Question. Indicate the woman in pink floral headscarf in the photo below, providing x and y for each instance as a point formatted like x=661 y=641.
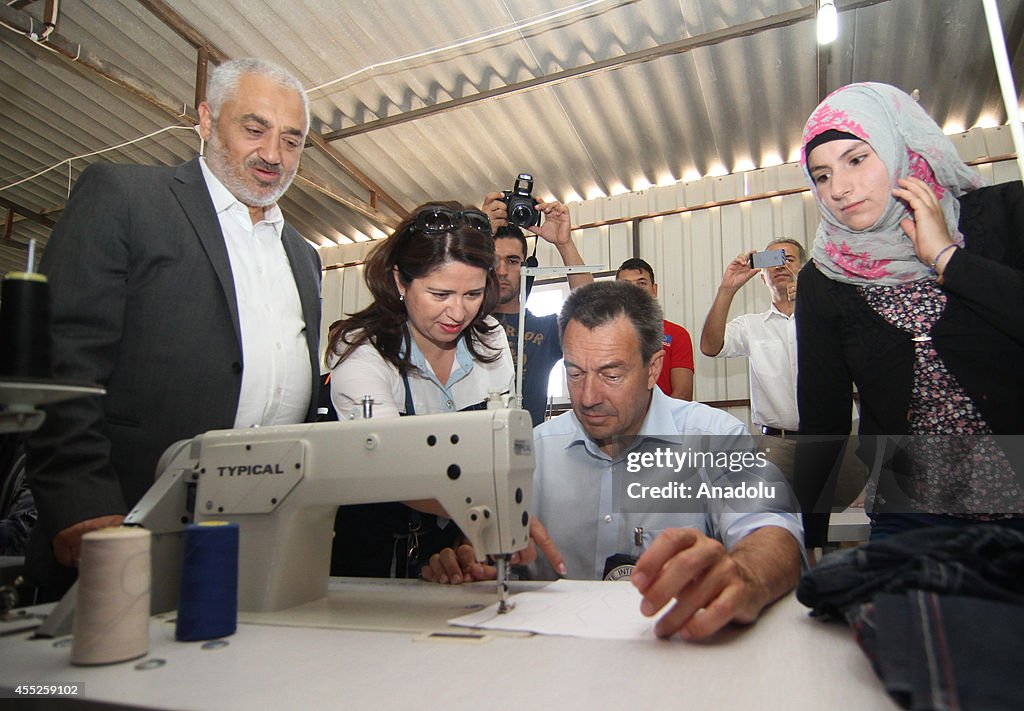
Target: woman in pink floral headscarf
x=915 y=294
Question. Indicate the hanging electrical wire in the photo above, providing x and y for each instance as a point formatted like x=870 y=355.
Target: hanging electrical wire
x=67 y=161
x=49 y=25
x=514 y=27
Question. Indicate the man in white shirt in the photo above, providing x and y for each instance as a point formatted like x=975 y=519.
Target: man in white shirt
x=768 y=341
x=183 y=292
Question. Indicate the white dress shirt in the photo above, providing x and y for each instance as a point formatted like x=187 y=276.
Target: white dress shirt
x=768 y=340
x=276 y=378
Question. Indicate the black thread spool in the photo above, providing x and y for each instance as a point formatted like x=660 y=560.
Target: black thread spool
x=25 y=326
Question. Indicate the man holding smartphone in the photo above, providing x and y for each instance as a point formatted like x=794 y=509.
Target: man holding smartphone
x=767 y=339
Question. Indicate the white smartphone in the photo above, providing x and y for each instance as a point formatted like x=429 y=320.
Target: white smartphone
x=768 y=258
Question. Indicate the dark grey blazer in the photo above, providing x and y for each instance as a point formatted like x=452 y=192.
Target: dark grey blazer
x=143 y=303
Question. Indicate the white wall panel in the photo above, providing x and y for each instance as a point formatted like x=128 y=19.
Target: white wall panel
x=616 y=207
x=1005 y=171
x=667 y=197
x=650 y=236
x=970 y=145
x=592 y=244
x=581 y=212
x=620 y=250
x=674 y=264
x=762 y=228
x=727 y=187
x=811 y=219
x=998 y=140
x=789 y=176
x=332 y=300
x=697 y=192
x=710 y=376
x=754 y=182
x=793 y=220
x=342 y=290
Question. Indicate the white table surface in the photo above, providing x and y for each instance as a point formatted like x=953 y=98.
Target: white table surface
x=785 y=661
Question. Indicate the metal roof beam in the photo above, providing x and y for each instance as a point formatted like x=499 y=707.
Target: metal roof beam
x=186 y=31
x=26 y=213
x=80 y=55
x=707 y=39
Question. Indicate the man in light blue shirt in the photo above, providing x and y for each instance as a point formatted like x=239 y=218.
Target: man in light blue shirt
x=722 y=559
x=577 y=484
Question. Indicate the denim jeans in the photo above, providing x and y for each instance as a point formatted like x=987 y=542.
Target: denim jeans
x=884 y=525
x=939 y=611
x=944 y=652
x=981 y=560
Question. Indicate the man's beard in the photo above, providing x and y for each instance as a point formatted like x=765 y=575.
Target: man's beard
x=235 y=180
x=513 y=296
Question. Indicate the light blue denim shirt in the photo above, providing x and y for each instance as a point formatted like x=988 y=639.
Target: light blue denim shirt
x=365 y=372
x=573 y=489
x=444 y=397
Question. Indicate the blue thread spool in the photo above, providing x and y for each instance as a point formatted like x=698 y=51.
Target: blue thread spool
x=208 y=600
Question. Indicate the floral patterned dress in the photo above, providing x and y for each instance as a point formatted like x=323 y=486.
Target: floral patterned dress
x=957 y=466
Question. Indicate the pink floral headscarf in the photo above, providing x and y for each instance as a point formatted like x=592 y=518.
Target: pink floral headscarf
x=909 y=143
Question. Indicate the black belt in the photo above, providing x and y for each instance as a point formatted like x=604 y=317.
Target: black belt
x=776 y=432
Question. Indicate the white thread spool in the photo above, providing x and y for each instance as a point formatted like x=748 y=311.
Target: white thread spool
x=112 y=609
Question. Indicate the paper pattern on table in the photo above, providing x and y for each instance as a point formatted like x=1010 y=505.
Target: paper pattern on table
x=595 y=610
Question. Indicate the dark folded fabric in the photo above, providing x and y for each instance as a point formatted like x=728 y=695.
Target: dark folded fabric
x=984 y=561
x=944 y=652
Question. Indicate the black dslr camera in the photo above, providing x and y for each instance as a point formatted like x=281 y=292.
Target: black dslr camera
x=522 y=208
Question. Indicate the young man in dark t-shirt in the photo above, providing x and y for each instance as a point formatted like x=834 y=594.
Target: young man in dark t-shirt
x=541 y=348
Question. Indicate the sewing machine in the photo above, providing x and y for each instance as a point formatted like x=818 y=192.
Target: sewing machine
x=282 y=486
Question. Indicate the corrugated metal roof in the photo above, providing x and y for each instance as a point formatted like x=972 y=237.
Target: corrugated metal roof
x=735 y=99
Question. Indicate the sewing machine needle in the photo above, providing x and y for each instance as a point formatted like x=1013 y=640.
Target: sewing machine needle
x=501 y=567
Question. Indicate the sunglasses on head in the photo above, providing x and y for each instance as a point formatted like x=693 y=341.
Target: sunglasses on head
x=437 y=219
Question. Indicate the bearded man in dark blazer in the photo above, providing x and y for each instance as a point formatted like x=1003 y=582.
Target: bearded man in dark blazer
x=183 y=292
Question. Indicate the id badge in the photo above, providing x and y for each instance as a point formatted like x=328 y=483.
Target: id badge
x=618 y=567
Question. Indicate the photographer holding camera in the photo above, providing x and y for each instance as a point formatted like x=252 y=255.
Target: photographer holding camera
x=541 y=349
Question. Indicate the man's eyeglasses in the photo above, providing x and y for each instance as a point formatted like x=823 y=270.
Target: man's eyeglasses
x=437 y=219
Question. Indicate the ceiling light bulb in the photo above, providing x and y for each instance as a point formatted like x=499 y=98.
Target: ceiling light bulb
x=828 y=22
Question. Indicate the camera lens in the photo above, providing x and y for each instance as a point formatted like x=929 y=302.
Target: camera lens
x=522 y=215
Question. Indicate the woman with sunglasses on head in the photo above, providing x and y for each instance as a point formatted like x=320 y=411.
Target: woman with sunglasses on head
x=425 y=345
x=914 y=295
